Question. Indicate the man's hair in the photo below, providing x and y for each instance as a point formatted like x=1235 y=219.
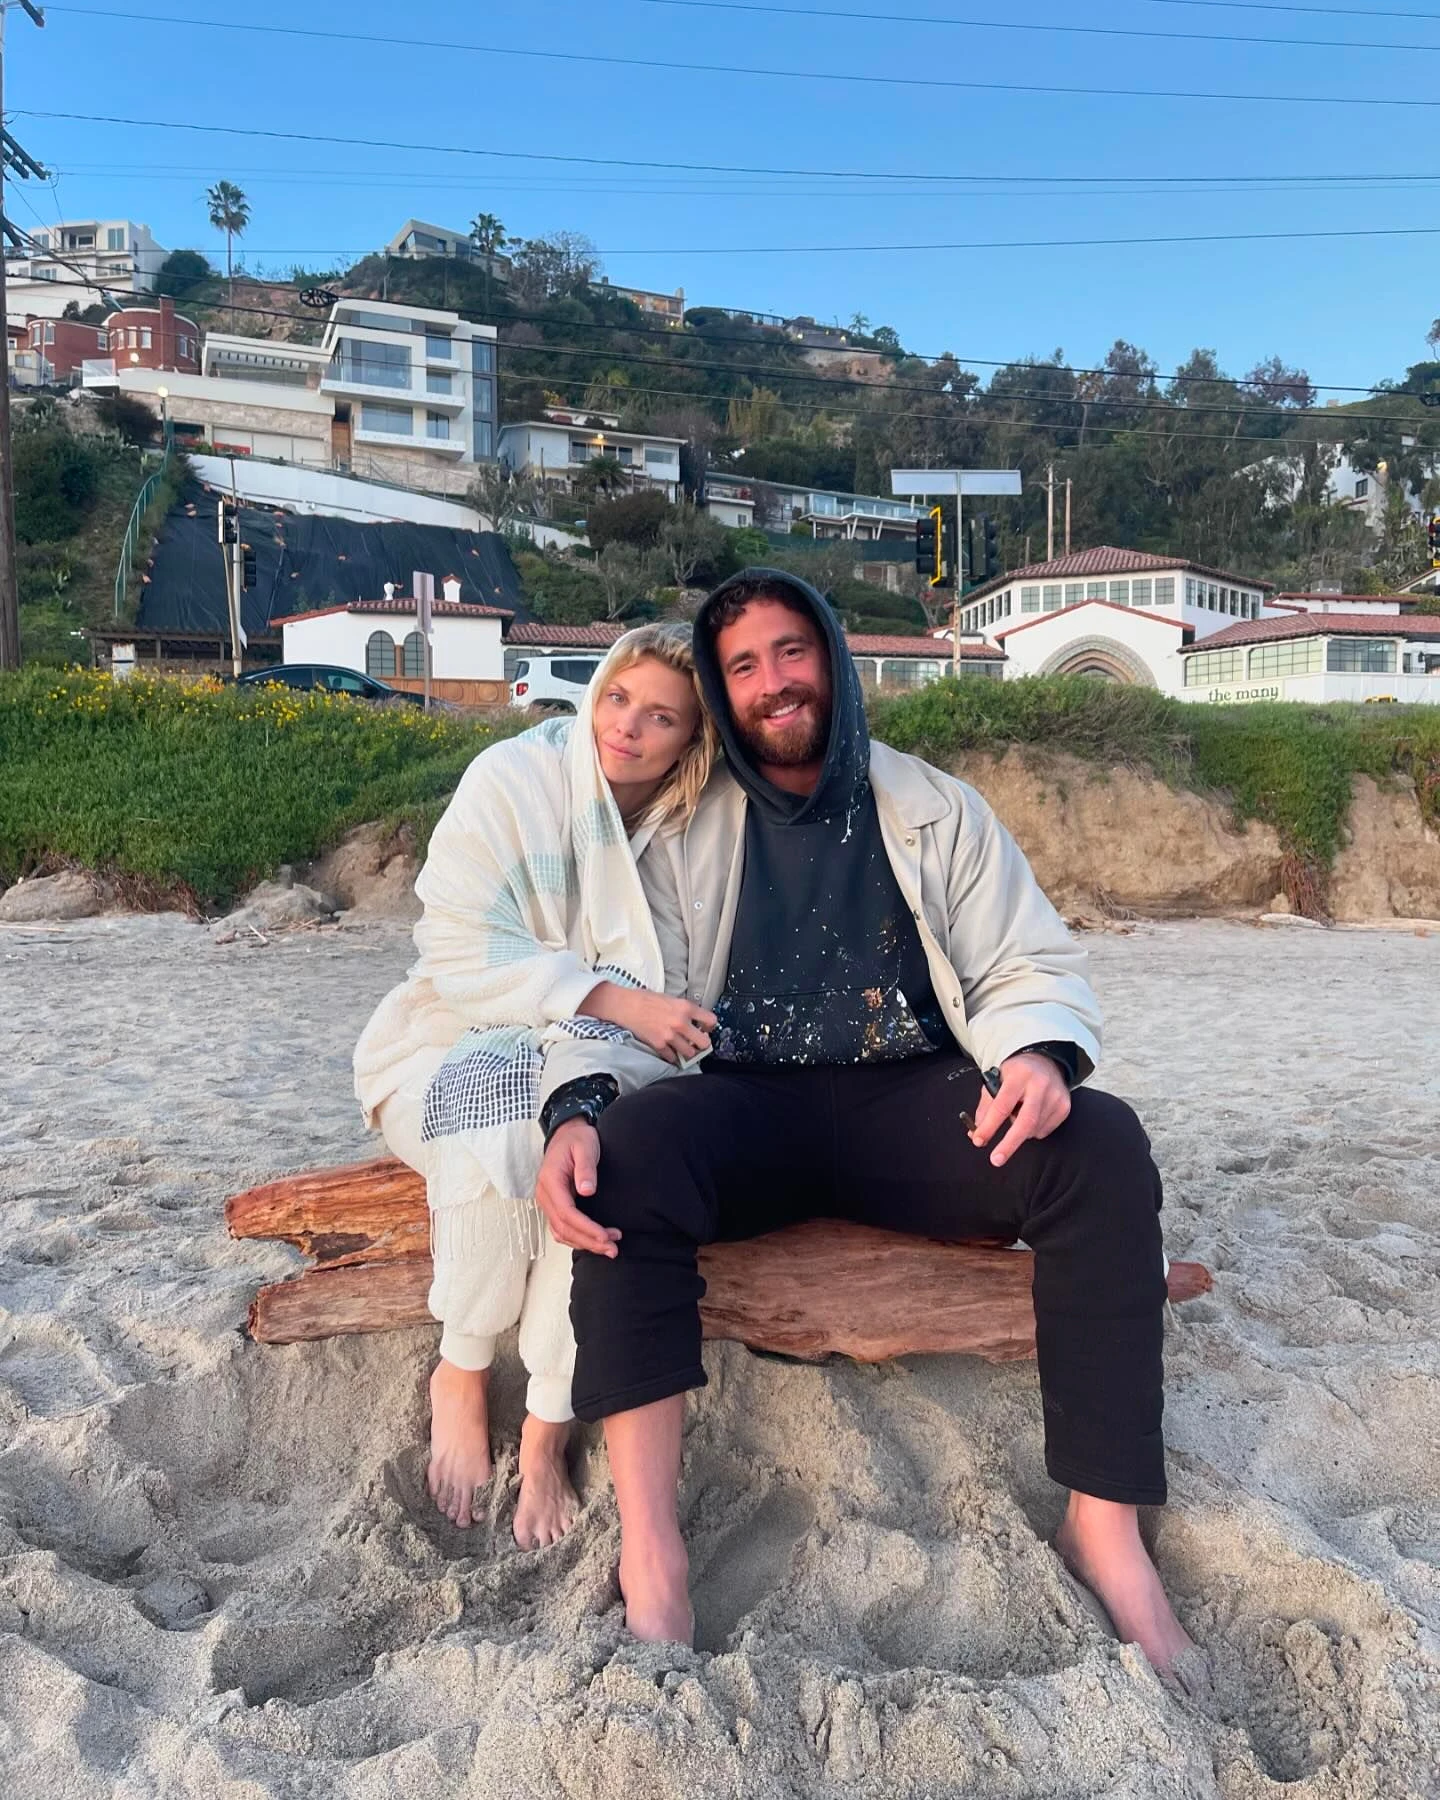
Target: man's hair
x=743 y=592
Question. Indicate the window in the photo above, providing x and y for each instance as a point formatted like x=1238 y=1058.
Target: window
x=659 y=456
x=1074 y=592
x=50 y=334
x=341 y=681
x=145 y=343
x=1029 y=599
x=438 y=381
x=1094 y=590
x=1367 y=656
x=482 y=356
x=483 y=399
x=581 y=452
x=437 y=425
x=134 y=337
x=579 y=672
x=484 y=438
x=1140 y=593
x=907 y=671
x=439 y=346
x=115 y=237
x=1054 y=596
x=1119 y=593
x=397 y=420
x=380 y=655
x=1362 y=487
x=1191 y=596
x=373 y=365
x=1164 y=590
x=412 y=656
x=1301 y=657
x=102 y=340
x=1214 y=668
x=374 y=321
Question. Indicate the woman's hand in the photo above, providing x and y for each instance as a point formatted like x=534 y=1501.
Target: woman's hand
x=676 y=1029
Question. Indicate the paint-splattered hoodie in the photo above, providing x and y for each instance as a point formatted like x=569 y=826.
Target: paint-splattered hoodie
x=826 y=965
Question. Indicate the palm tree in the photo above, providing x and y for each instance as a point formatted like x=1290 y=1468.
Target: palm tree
x=230 y=213
x=487 y=234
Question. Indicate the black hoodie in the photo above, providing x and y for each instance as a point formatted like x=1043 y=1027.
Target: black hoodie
x=826 y=965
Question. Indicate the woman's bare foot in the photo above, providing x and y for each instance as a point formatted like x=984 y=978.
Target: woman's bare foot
x=655 y=1585
x=459 y=1440
x=1099 y=1542
x=548 y=1504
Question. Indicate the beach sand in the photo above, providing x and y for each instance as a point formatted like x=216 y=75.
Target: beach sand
x=220 y=1575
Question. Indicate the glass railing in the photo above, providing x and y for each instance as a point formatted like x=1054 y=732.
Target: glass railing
x=364 y=372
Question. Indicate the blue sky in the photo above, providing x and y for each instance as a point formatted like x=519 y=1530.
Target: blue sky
x=1348 y=310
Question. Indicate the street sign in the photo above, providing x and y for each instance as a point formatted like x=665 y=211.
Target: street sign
x=954 y=481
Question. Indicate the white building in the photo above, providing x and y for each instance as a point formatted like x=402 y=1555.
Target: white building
x=118 y=254
x=418 y=238
x=1363 y=491
x=557 y=447
x=392 y=393
x=1128 y=616
x=382 y=638
x=734 y=500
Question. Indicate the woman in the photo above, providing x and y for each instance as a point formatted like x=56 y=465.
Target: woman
x=535 y=934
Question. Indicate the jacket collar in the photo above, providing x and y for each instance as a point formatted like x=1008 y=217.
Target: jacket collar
x=900 y=783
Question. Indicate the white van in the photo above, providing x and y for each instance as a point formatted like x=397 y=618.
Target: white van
x=552 y=683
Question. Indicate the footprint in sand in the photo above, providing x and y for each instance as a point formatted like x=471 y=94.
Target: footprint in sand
x=749 y=1563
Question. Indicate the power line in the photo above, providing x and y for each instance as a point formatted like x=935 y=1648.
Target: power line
x=750 y=72
x=1051 y=30
x=1272 y=6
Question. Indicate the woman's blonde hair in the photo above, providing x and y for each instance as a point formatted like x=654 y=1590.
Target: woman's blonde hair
x=679 y=793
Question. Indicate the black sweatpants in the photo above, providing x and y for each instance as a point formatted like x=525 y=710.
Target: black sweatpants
x=738 y=1151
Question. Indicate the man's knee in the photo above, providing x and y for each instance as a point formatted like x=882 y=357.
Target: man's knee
x=645 y=1176
x=1105 y=1145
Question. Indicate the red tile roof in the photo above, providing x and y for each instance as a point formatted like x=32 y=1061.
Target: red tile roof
x=600 y=637
x=586 y=637
x=1365 y=599
x=401 y=609
x=1134 y=612
x=1305 y=625
x=868 y=644
x=1106 y=559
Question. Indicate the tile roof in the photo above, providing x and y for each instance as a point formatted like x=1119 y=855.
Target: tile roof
x=399 y=608
x=600 y=637
x=869 y=644
x=1350 y=599
x=1304 y=625
x=580 y=637
x=1106 y=559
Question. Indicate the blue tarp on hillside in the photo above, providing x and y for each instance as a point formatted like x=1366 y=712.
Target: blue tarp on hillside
x=304 y=562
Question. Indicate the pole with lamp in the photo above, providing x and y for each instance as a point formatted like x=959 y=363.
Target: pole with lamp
x=164 y=394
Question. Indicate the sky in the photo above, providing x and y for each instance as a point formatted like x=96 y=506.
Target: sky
x=856 y=160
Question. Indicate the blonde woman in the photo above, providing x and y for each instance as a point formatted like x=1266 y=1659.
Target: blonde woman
x=535 y=938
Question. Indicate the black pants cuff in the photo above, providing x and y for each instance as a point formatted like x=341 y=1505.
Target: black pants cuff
x=1104 y=1487
x=644 y=1393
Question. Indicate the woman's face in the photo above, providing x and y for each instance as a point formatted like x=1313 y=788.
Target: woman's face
x=644 y=719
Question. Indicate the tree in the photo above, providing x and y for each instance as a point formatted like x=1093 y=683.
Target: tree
x=487 y=234
x=230 y=213
x=1281 y=386
x=601 y=475
x=502 y=496
x=547 y=268
x=636 y=519
x=182 y=272
x=691 y=542
x=628 y=577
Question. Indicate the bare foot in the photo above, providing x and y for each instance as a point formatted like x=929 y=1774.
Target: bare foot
x=1099 y=1542
x=459 y=1440
x=548 y=1504
x=655 y=1584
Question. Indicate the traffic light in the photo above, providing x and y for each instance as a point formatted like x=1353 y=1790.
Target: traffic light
x=991 y=535
x=1434 y=534
x=229 y=525
x=928 y=555
x=247 y=565
x=967 y=555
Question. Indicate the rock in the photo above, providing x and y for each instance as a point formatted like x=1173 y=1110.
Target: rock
x=277 y=906
x=1390 y=865
x=1282 y=904
x=72 y=894
x=371 y=873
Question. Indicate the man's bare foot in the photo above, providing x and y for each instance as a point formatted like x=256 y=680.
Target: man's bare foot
x=655 y=1585
x=1099 y=1542
x=548 y=1504
x=459 y=1440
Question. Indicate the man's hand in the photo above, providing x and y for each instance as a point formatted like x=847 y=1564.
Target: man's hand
x=568 y=1173
x=1033 y=1090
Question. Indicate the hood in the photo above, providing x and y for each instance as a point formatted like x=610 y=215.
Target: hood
x=845 y=774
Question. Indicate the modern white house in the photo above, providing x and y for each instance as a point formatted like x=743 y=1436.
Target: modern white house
x=382 y=638
x=1363 y=491
x=392 y=393
x=824 y=513
x=418 y=238
x=556 y=447
x=1140 y=619
x=74 y=259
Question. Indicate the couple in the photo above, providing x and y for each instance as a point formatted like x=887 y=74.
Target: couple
x=854 y=944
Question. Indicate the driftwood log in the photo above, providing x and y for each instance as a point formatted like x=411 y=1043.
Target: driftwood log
x=808 y=1291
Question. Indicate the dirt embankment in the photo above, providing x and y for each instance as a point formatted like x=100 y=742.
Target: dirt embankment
x=1102 y=840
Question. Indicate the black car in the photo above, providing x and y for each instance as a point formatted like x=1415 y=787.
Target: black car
x=326 y=678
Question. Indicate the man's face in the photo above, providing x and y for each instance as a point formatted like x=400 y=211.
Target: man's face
x=777 y=680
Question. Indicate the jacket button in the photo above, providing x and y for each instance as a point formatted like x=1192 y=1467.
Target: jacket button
x=910 y=841
x=955 y=1001
x=699 y=905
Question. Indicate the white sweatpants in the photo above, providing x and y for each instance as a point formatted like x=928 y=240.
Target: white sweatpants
x=475 y=1299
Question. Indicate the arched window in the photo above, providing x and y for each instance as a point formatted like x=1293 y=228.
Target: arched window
x=380 y=656
x=413 y=652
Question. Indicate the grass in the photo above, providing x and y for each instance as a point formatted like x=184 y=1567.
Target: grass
x=199 y=790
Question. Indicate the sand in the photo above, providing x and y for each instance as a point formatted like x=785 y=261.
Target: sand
x=219 y=1575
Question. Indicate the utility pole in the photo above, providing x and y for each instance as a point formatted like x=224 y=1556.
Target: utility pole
x=12 y=156
x=1068 y=485
x=1050 y=512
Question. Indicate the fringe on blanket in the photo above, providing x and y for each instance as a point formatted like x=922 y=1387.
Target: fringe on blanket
x=470 y=1219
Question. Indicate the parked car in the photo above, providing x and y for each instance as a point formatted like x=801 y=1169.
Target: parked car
x=326 y=678
x=552 y=683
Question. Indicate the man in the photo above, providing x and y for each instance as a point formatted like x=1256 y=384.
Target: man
x=871 y=941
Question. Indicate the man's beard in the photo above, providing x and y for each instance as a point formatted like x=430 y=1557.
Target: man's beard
x=801 y=740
